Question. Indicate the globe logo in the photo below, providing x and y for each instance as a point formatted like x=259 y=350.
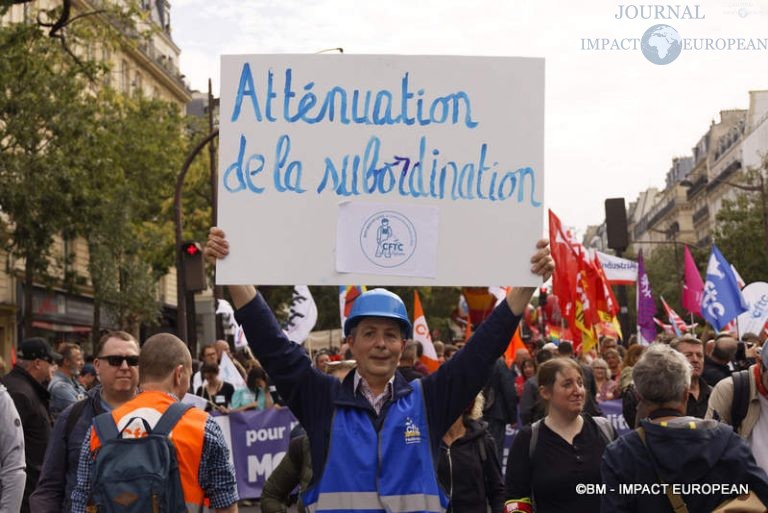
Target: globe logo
x=661 y=44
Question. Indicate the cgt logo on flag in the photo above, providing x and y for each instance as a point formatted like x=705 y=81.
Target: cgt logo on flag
x=722 y=299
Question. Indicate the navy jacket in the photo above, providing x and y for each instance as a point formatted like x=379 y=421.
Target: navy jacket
x=59 y=474
x=313 y=396
x=711 y=453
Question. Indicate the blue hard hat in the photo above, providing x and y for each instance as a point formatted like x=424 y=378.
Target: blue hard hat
x=378 y=303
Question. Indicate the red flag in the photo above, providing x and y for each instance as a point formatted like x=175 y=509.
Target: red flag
x=566 y=268
x=693 y=288
x=678 y=325
x=666 y=327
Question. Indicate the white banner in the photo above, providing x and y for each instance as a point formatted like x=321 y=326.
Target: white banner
x=302 y=315
x=301 y=134
x=753 y=320
x=618 y=270
x=228 y=372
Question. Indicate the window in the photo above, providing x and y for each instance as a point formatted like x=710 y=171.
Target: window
x=125 y=78
x=138 y=83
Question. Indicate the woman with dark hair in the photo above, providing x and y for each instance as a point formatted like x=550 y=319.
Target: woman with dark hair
x=217 y=392
x=528 y=368
x=256 y=395
x=551 y=456
x=468 y=468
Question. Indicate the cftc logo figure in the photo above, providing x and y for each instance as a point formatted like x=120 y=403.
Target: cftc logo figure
x=388 y=239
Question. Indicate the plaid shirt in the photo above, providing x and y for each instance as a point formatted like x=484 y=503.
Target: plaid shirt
x=377 y=401
x=216 y=474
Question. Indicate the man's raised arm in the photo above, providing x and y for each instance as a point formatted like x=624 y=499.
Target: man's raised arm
x=305 y=390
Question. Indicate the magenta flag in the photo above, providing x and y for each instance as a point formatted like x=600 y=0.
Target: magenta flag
x=646 y=306
x=693 y=288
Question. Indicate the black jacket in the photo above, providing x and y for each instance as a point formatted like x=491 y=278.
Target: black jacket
x=500 y=395
x=714 y=372
x=471 y=475
x=31 y=400
x=710 y=453
x=59 y=473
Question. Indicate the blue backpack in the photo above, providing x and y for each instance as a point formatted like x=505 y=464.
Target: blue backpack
x=138 y=474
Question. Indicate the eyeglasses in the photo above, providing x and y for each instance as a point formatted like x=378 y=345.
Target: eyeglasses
x=117 y=360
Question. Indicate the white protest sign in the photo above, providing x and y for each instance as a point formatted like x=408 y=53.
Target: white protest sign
x=195 y=400
x=753 y=320
x=301 y=135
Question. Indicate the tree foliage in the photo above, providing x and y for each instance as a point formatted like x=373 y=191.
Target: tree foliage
x=740 y=231
x=45 y=123
x=140 y=146
x=82 y=159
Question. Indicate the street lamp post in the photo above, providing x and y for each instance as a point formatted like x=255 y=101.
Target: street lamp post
x=181 y=286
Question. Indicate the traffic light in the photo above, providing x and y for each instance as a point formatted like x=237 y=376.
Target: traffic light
x=194 y=266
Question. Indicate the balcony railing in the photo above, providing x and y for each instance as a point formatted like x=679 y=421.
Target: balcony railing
x=698 y=185
x=727 y=172
x=701 y=214
x=658 y=216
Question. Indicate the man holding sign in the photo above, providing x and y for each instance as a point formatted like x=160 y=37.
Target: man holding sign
x=373 y=436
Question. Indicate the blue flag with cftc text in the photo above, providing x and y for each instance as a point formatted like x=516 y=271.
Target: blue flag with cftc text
x=722 y=299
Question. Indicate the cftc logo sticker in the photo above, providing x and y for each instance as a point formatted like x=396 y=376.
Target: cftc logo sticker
x=412 y=432
x=388 y=239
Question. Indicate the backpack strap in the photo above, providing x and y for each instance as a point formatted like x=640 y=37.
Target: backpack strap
x=534 y=438
x=675 y=499
x=169 y=419
x=481 y=448
x=74 y=416
x=740 y=402
x=105 y=427
x=606 y=428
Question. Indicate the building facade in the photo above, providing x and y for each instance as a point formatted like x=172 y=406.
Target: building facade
x=149 y=65
x=685 y=210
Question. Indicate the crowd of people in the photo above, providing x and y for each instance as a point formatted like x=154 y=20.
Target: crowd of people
x=377 y=430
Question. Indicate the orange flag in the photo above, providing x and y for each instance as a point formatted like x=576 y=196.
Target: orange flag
x=514 y=344
x=421 y=335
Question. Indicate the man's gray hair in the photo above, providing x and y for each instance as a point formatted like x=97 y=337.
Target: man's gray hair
x=662 y=375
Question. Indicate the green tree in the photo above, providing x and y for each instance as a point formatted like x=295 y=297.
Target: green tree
x=141 y=146
x=45 y=120
x=740 y=230
x=665 y=272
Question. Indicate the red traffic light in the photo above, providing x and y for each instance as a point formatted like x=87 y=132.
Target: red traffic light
x=192 y=248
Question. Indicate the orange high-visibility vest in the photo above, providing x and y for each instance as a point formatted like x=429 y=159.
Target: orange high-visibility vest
x=187 y=437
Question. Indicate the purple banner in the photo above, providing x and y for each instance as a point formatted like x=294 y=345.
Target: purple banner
x=646 y=306
x=612 y=411
x=259 y=441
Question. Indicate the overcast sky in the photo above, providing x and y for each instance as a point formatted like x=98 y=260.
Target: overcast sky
x=614 y=120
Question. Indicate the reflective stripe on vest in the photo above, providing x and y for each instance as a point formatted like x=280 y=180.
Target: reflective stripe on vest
x=187 y=437
x=352 y=479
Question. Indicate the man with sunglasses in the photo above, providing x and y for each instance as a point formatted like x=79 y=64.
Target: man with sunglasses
x=116 y=364
x=27 y=385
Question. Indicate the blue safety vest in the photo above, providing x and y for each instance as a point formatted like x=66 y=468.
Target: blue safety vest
x=389 y=471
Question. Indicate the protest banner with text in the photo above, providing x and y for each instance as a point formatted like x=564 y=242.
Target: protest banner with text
x=395 y=170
